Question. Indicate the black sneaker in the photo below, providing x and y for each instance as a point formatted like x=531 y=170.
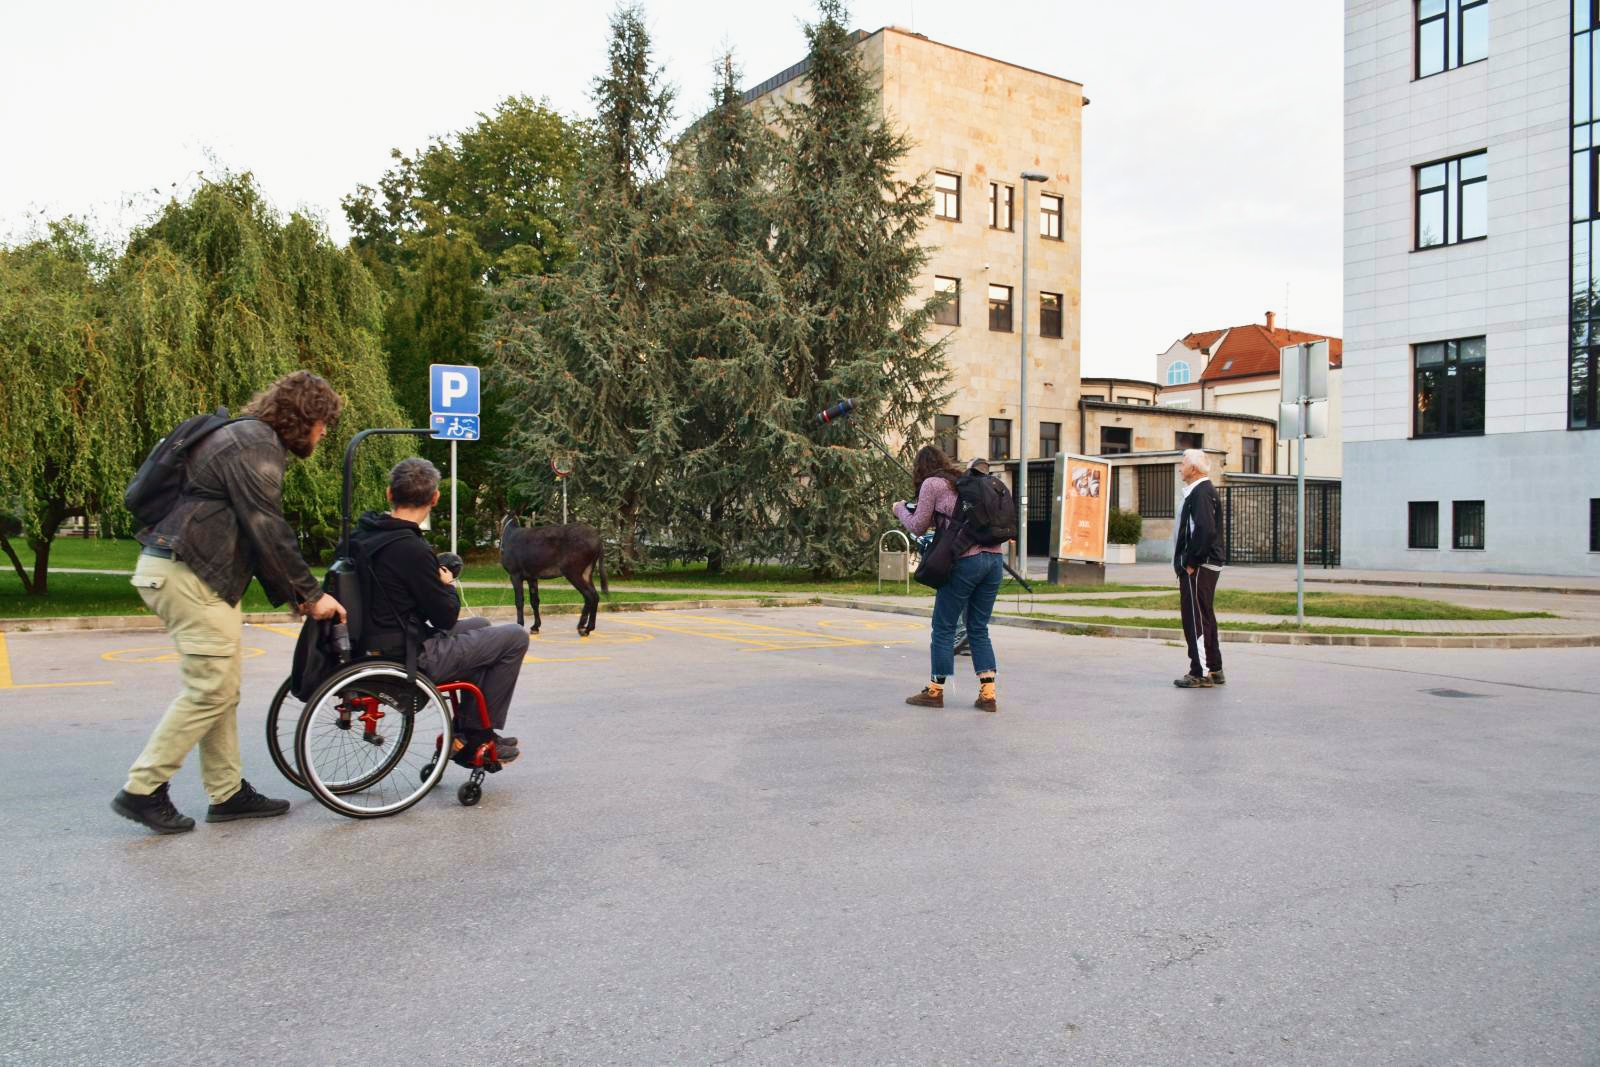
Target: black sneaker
x=1191 y=681
x=1218 y=679
x=963 y=647
x=155 y=811
x=505 y=742
x=246 y=804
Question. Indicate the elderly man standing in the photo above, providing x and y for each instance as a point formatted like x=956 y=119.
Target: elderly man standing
x=1197 y=557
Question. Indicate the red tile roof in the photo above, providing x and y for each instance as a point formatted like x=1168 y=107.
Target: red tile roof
x=1252 y=351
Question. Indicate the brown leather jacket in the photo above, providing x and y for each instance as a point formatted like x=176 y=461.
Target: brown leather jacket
x=229 y=523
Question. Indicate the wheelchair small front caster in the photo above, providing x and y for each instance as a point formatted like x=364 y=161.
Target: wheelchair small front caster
x=427 y=772
x=469 y=793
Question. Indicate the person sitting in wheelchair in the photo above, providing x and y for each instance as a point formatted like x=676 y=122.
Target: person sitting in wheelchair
x=412 y=594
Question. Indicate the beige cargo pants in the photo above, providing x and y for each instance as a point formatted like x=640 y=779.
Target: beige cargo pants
x=206 y=629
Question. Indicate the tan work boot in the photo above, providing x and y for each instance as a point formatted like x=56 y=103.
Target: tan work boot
x=932 y=696
x=986 y=701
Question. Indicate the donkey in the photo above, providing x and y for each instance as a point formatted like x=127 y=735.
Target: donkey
x=572 y=552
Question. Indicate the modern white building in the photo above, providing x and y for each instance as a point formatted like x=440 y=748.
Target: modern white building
x=1471 y=428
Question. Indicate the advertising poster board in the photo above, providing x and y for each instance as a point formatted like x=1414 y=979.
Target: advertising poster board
x=1083 y=508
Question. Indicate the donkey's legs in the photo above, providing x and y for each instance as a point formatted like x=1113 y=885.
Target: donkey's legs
x=533 y=595
x=516 y=591
x=580 y=580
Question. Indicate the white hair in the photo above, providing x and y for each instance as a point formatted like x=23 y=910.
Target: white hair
x=1197 y=459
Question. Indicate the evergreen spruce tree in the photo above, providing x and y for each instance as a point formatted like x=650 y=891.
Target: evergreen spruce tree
x=579 y=356
x=847 y=243
x=731 y=333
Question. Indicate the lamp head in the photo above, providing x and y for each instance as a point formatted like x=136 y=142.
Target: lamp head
x=1035 y=176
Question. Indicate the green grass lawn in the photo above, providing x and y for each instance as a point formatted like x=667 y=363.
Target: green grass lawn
x=1168 y=623
x=89 y=553
x=110 y=594
x=775 y=579
x=1324 y=605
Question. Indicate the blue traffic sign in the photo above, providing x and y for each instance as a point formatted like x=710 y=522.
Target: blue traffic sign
x=452 y=390
x=455 y=427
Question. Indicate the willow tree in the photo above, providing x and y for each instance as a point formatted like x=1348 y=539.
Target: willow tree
x=268 y=295
x=848 y=245
x=580 y=356
x=63 y=392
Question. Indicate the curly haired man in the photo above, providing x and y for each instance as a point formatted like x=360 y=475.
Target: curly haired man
x=226 y=528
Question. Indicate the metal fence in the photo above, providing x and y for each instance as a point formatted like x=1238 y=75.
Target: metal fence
x=1258 y=523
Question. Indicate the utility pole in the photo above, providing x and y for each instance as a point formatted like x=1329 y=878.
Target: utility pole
x=1022 y=436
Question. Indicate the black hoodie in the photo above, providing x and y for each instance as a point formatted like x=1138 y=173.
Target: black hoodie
x=406 y=575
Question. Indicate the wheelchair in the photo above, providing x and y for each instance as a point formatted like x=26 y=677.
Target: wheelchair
x=375 y=736
x=372 y=741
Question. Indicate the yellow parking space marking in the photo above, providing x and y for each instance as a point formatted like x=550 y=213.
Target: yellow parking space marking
x=164 y=654
x=278 y=628
x=598 y=638
x=8 y=682
x=870 y=624
x=757 y=637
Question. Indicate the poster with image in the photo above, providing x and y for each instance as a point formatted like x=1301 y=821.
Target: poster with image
x=1084 y=509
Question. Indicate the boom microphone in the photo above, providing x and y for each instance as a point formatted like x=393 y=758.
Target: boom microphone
x=838 y=411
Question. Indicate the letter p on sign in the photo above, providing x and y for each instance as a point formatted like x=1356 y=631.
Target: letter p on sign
x=453 y=390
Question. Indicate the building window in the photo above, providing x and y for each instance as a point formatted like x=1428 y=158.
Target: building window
x=1049 y=314
x=947 y=434
x=1252 y=456
x=1584 y=412
x=1000 y=206
x=1451 y=33
x=1594 y=524
x=1183 y=439
x=1449 y=387
x=947 y=313
x=999 y=438
x=946 y=195
x=1422 y=524
x=1049 y=439
x=1467 y=523
x=1050 y=216
x=1115 y=440
x=1156 y=491
x=1095 y=397
x=1453 y=200
x=1000 y=308
x=1178 y=373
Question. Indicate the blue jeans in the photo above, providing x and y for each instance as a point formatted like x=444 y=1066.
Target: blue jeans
x=970 y=592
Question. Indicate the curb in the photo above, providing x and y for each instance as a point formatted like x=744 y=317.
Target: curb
x=1481 y=587
x=1252 y=637
x=496 y=613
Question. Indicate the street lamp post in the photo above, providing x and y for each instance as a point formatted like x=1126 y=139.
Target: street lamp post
x=1022 y=314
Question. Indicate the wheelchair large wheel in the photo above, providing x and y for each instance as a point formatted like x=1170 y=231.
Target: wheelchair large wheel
x=367 y=739
x=283 y=718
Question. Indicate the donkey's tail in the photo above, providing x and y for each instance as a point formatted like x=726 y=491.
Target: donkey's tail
x=600 y=569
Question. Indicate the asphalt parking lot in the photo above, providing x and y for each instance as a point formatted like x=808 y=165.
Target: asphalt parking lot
x=729 y=841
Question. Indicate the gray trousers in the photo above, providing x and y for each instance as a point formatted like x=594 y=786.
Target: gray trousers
x=489 y=657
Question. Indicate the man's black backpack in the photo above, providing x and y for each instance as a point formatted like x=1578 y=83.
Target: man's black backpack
x=987 y=508
x=155 y=490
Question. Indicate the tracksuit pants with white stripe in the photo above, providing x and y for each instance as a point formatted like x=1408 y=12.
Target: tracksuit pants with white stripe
x=1196 y=593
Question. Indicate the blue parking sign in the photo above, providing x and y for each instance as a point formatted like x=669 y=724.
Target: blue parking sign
x=455 y=427
x=452 y=390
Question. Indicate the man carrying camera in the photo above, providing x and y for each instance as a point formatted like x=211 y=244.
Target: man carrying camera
x=411 y=593
x=226 y=527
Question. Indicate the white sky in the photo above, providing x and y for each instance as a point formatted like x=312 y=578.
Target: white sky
x=1212 y=146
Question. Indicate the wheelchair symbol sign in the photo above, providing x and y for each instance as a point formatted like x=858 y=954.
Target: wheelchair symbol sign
x=455 y=427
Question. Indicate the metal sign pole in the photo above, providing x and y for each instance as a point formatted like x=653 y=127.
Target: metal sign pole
x=1300 y=491
x=563 y=501
x=453 y=499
